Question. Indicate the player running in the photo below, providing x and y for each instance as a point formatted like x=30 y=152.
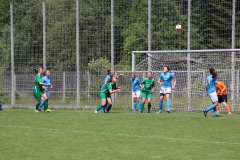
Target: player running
x=38 y=90
x=147 y=86
x=47 y=79
x=136 y=90
x=165 y=80
x=105 y=95
x=222 y=96
x=211 y=85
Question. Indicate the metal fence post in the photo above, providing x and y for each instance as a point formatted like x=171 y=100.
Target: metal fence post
x=12 y=57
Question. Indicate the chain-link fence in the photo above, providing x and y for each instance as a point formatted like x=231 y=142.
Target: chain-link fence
x=78 y=40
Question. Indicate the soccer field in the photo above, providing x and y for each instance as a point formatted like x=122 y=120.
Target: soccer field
x=121 y=134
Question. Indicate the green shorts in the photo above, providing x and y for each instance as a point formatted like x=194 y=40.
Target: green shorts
x=105 y=95
x=146 y=95
x=37 y=94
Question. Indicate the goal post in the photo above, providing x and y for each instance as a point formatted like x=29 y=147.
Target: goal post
x=191 y=67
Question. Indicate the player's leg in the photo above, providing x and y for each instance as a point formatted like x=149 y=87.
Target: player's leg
x=138 y=99
x=46 y=102
x=219 y=102
x=214 y=99
x=43 y=98
x=144 y=96
x=149 y=100
x=104 y=107
x=109 y=101
x=103 y=98
x=160 y=104
x=168 y=92
x=134 y=95
x=224 y=102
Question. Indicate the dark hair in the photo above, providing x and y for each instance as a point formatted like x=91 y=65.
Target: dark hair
x=44 y=72
x=213 y=72
x=167 y=68
x=108 y=71
x=36 y=70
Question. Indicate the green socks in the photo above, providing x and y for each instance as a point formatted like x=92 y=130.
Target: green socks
x=99 y=107
x=149 y=107
x=37 y=105
x=108 y=107
x=45 y=105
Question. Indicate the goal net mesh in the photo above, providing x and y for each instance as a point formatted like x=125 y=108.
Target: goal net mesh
x=191 y=70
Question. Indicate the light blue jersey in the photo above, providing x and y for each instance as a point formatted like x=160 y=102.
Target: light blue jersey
x=211 y=84
x=46 y=80
x=135 y=84
x=105 y=81
x=166 y=79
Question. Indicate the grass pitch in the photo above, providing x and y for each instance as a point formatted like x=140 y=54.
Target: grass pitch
x=120 y=135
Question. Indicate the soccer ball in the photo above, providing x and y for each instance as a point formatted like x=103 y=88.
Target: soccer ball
x=178 y=27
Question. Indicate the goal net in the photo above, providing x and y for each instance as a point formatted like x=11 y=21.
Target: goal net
x=191 y=67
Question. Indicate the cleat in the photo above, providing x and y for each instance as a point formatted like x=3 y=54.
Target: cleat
x=36 y=111
x=229 y=113
x=48 y=110
x=216 y=115
x=95 y=111
x=160 y=111
x=205 y=113
x=141 y=111
x=168 y=111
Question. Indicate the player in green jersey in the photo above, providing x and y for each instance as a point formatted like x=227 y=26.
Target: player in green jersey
x=38 y=90
x=105 y=94
x=147 y=86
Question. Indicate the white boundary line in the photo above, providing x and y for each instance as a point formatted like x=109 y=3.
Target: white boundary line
x=124 y=135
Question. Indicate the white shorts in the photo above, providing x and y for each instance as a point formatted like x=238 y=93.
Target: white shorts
x=213 y=96
x=136 y=94
x=165 y=90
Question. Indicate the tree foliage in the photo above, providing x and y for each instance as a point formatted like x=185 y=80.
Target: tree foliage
x=211 y=28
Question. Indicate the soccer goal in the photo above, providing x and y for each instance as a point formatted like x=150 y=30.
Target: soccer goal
x=191 y=67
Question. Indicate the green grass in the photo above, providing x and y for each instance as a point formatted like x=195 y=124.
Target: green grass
x=121 y=134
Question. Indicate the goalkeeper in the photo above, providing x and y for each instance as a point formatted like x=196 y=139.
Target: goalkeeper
x=222 y=96
x=147 y=87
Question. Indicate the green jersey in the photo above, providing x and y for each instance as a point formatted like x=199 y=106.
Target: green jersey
x=37 y=86
x=106 y=88
x=148 y=84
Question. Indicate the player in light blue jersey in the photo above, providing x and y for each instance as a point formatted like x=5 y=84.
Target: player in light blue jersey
x=47 y=79
x=211 y=85
x=165 y=80
x=136 y=91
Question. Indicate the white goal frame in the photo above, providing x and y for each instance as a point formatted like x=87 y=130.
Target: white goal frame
x=232 y=51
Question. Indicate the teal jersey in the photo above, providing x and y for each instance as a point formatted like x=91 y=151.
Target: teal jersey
x=148 y=84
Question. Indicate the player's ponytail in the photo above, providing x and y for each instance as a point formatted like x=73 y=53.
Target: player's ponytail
x=36 y=70
x=213 y=72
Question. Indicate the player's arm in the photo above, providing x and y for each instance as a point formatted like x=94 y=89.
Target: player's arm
x=153 y=85
x=120 y=75
x=41 y=82
x=115 y=90
x=159 y=81
x=174 y=83
x=206 y=87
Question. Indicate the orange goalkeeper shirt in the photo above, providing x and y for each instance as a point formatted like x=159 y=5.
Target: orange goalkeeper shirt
x=221 y=88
